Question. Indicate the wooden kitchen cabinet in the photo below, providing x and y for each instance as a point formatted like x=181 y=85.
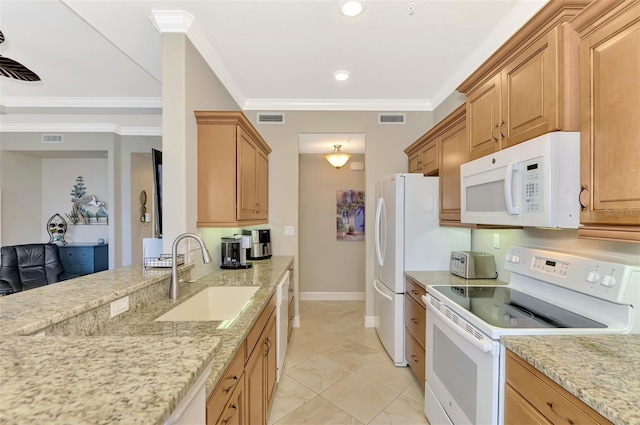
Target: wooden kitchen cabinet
x=235 y=410
x=225 y=394
x=609 y=34
x=423 y=156
x=415 y=329
x=529 y=87
x=453 y=150
x=531 y=397
x=233 y=171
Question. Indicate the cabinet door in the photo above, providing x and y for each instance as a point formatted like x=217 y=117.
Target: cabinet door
x=255 y=387
x=453 y=153
x=610 y=130
x=414 y=162
x=270 y=358
x=247 y=176
x=529 y=92
x=262 y=185
x=518 y=411
x=483 y=118
x=429 y=158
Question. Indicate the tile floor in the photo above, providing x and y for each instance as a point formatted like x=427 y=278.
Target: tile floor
x=337 y=372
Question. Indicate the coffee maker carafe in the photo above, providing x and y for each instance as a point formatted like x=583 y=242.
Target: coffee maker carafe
x=234 y=252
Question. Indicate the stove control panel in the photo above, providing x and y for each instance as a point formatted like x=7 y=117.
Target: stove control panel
x=598 y=277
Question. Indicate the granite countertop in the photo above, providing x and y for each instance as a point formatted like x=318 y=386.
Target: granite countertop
x=129 y=369
x=600 y=370
x=446 y=278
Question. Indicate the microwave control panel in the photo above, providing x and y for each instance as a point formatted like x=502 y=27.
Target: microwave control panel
x=533 y=183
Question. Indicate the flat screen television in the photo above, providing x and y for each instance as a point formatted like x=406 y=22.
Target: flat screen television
x=156 y=158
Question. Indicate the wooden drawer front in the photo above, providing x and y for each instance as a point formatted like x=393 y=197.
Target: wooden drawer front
x=231 y=379
x=415 y=291
x=517 y=410
x=258 y=327
x=415 y=319
x=415 y=356
x=553 y=401
x=234 y=411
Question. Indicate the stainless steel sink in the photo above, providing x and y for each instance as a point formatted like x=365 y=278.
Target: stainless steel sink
x=216 y=303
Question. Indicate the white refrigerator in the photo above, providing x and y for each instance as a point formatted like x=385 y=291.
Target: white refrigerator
x=407 y=237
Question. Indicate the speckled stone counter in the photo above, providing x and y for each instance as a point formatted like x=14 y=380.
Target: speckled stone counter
x=600 y=370
x=129 y=369
x=445 y=278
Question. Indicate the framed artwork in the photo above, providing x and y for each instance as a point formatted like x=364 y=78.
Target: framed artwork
x=350 y=215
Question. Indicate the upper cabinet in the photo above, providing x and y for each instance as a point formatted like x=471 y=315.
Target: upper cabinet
x=609 y=33
x=452 y=146
x=233 y=171
x=529 y=87
x=423 y=156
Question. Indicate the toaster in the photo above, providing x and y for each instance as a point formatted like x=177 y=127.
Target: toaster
x=473 y=265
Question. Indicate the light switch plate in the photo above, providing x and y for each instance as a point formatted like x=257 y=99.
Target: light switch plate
x=496 y=240
x=288 y=231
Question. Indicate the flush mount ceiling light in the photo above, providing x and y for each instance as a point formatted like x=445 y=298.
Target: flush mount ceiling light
x=351 y=8
x=337 y=158
x=341 y=75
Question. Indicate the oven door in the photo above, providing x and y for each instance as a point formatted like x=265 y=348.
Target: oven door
x=462 y=370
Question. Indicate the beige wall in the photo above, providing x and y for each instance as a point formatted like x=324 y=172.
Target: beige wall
x=329 y=268
x=383 y=156
x=141 y=179
x=21 y=184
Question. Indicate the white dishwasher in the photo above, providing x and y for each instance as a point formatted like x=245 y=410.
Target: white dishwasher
x=282 y=320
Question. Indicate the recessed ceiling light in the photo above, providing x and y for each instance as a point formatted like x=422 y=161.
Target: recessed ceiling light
x=341 y=75
x=351 y=8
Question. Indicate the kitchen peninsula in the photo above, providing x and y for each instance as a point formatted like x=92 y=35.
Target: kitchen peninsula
x=64 y=360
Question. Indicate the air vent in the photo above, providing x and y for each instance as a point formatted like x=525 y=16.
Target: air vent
x=276 y=118
x=392 y=119
x=52 y=138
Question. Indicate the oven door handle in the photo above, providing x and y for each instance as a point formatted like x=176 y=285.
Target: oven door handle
x=375 y=286
x=485 y=348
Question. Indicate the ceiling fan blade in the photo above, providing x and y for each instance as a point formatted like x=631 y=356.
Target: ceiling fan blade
x=1 y=37
x=12 y=69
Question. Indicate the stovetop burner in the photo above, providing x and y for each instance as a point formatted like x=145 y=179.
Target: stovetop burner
x=504 y=307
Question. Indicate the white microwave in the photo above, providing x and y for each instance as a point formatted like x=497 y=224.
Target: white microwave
x=535 y=183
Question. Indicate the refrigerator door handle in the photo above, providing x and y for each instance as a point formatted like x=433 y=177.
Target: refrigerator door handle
x=379 y=211
x=375 y=286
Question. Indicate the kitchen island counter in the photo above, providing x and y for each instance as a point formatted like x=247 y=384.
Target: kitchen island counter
x=63 y=360
x=600 y=370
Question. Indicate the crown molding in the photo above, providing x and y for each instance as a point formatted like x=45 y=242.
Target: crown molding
x=82 y=102
x=171 y=20
x=339 y=104
x=79 y=128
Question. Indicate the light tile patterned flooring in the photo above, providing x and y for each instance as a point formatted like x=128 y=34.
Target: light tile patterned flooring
x=337 y=372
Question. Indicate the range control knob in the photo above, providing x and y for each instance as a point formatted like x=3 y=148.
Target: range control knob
x=608 y=281
x=593 y=277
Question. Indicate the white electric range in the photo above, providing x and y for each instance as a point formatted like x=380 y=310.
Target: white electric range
x=549 y=293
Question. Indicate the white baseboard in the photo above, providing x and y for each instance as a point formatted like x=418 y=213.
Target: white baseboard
x=331 y=296
x=369 y=321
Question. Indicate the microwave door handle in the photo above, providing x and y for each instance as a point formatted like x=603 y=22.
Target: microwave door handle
x=508 y=185
x=379 y=210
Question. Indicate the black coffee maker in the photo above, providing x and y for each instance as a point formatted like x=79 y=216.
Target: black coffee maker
x=234 y=252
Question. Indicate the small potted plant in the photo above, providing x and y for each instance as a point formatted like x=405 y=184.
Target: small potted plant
x=351 y=230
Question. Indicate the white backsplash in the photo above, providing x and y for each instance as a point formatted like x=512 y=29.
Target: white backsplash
x=567 y=240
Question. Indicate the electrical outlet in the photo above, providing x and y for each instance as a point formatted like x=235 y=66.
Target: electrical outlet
x=119 y=306
x=288 y=231
x=190 y=257
x=496 y=240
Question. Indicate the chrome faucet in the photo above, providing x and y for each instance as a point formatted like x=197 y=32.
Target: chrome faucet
x=206 y=257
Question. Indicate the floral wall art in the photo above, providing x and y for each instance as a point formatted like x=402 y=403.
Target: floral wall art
x=350 y=215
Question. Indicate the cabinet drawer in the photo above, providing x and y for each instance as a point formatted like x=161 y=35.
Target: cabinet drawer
x=234 y=412
x=415 y=356
x=517 y=410
x=77 y=253
x=553 y=401
x=415 y=319
x=226 y=386
x=415 y=291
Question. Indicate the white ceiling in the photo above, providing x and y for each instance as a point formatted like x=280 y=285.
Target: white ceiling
x=104 y=56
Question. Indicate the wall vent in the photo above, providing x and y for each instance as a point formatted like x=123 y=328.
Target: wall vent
x=52 y=138
x=271 y=118
x=392 y=119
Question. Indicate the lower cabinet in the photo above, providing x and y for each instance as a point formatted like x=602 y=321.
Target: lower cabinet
x=533 y=398
x=82 y=259
x=415 y=321
x=246 y=389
